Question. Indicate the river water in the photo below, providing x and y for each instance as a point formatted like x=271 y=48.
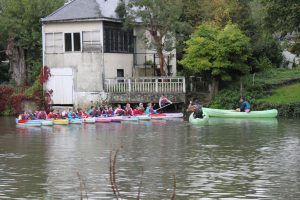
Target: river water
x=227 y=159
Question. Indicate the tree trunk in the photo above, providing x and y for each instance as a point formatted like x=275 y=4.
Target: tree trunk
x=241 y=87
x=158 y=40
x=161 y=61
x=16 y=58
x=214 y=88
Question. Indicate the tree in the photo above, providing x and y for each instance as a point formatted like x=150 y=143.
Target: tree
x=220 y=53
x=20 y=31
x=161 y=20
x=282 y=15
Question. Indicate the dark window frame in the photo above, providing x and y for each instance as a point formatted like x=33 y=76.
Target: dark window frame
x=72 y=42
x=116 y=39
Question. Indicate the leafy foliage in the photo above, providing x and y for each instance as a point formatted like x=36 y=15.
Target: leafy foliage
x=219 y=52
x=161 y=20
x=282 y=15
x=20 y=20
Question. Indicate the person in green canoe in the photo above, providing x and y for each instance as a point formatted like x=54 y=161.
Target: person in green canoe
x=245 y=105
x=196 y=108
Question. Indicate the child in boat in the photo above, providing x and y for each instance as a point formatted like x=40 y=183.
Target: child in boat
x=98 y=112
x=141 y=109
x=196 y=108
x=119 y=111
x=79 y=112
x=72 y=114
x=64 y=114
x=150 y=109
x=84 y=115
x=42 y=115
x=128 y=110
x=136 y=110
x=92 y=111
x=50 y=114
x=245 y=105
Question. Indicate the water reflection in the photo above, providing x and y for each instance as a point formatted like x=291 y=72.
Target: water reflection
x=229 y=158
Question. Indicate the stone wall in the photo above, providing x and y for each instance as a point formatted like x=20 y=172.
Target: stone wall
x=144 y=97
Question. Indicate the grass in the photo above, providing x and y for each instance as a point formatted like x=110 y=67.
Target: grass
x=284 y=95
x=274 y=76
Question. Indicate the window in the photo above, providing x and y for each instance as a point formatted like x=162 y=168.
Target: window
x=77 y=43
x=120 y=74
x=53 y=43
x=117 y=40
x=68 y=42
x=72 y=42
x=91 y=41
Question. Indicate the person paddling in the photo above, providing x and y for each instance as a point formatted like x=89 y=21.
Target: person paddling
x=163 y=101
x=245 y=105
x=195 y=107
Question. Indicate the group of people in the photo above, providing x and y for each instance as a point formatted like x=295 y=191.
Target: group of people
x=196 y=107
x=108 y=111
x=104 y=110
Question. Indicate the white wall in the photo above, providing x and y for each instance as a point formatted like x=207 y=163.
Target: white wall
x=87 y=67
x=114 y=61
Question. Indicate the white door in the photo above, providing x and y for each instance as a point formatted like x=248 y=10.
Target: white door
x=61 y=82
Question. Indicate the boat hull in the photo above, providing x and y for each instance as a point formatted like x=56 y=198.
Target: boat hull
x=234 y=114
x=60 y=122
x=198 y=121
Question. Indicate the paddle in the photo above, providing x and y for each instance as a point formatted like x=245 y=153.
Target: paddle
x=163 y=107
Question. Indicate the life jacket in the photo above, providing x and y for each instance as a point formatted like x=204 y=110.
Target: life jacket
x=163 y=101
x=136 y=111
x=98 y=112
x=85 y=115
x=129 y=111
x=119 y=111
x=141 y=110
x=110 y=112
x=50 y=115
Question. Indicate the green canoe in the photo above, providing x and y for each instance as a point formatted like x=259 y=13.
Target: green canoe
x=198 y=121
x=234 y=114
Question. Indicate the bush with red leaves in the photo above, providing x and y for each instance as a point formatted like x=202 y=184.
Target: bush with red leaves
x=6 y=92
x=44 y=75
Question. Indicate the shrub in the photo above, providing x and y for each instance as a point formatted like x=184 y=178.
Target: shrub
x=6 y=92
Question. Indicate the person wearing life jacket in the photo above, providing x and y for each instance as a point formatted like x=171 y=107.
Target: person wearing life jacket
x=196 y=108
x=245 y=105
x=128 y=110
x=111 y=111
x=150 y=109
x=42 y=115
x=119 y=111
x=141 y=109
x=98 y=112
x=79 y=112
x=92 y=111
x=136 y=110
x=163 y=101
x=50 y=114
x=84 y=115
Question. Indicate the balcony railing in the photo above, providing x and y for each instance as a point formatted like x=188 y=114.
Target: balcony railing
x=145 y=85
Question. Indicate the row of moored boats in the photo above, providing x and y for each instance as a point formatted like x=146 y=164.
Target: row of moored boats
x=92 y=120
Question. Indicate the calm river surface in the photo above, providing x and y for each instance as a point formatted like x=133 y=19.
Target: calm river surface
x=227 y=159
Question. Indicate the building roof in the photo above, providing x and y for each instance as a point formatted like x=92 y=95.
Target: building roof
x=78 y=10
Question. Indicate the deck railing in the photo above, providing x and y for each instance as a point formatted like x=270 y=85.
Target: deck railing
x=145 y=85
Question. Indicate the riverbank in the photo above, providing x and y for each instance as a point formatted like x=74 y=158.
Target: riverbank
x=275 y=88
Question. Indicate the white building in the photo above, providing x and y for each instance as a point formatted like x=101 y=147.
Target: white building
x=84 y=45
